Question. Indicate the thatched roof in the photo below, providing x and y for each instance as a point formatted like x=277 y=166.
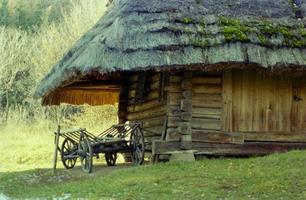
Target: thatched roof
x=166 y=34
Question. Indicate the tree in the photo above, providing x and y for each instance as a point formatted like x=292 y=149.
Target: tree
x=4 y=13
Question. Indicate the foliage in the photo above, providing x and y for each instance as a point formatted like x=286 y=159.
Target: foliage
x=32 y=39
x=279 y=176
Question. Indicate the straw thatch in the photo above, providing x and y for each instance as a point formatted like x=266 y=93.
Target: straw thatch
x=158 y=34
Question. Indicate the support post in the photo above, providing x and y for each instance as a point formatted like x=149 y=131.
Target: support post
x=56 y=141
x=186 y=112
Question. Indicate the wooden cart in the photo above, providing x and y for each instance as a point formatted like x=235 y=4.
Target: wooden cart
x=80 y=144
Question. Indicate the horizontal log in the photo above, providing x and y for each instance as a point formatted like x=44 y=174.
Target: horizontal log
x=186 y=105
x=144 y=106
x=210 y=113
x=152 y=122
x=173 y=88
x=153 y=131
x=153 y=95
x=164 y=147
x=207 y=124
x=199 y=135
x=275 y=136
x=174 y=111
x=207 y=89
x=207 y=80
x=207 y=97
x=134 y=78
x=246 y=149
x=206 y=111
x=174 y=99
x=175 y=79
x=154 y=112
x=153 y=87
x=173 y=122
x=206 y=104
x=185 y=128
x=173 y=134
x=186 y=84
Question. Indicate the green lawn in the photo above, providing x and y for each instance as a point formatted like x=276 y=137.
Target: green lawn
x=279 y=176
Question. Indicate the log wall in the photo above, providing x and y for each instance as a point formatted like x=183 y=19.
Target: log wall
x=206 y=103
x=151 y=112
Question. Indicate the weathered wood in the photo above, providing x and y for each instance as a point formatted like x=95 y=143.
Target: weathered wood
x=187 y=94
x=188 y=74
x=186 y=84
x=173 y=121
x=174 y=111
x=175 y=79
x=134 y=78
x=174 y=99
x=153 y=87
x=186 y=105
x=154 y=112
x=154 y=94
x=56 y=144
x=144 y=106
x=162 y=146
x=173 y=134
x=149 y=140
x=207 y=89
x=206 y=80
x=153 y=131
x=246 y=149
x=175 y=88
x=275 y=136
x=206 y=104
x=186 y=142
x=185 y=128
x=186 y=116
x=199 y=135
x=227 y=101
x=207 y=124
x=151 y=122
x=207 y=97
x=206 y=111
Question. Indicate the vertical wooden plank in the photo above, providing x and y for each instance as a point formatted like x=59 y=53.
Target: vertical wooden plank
x=237 y=83
x=227 y=92
x=302 y=105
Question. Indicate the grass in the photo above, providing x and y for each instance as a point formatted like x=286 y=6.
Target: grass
x=26 y=160
x=279 y=176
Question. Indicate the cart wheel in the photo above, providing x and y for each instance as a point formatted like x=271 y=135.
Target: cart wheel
x=111 y=158
x=69 y=147
x=85 y=153
x=137 y=146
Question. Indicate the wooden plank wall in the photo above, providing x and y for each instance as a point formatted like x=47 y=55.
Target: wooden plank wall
x=206 y=103
x=257 y=102
x=151 y=112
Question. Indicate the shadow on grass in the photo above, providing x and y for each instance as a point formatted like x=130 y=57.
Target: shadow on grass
x=11 y=182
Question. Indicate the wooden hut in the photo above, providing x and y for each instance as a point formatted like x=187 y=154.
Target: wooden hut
x=219 y=77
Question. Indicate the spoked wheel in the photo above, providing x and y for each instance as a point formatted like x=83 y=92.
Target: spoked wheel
x=137 y=146
x=111 y=158
x=85 y=153
x=69 y=149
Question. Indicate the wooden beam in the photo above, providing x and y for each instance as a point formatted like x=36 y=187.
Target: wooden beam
x=275 y=136
x=199 y=135
x=162 y=146
x=154 y=112
x=211 y=124
x=246 y=149
x=206 y=80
